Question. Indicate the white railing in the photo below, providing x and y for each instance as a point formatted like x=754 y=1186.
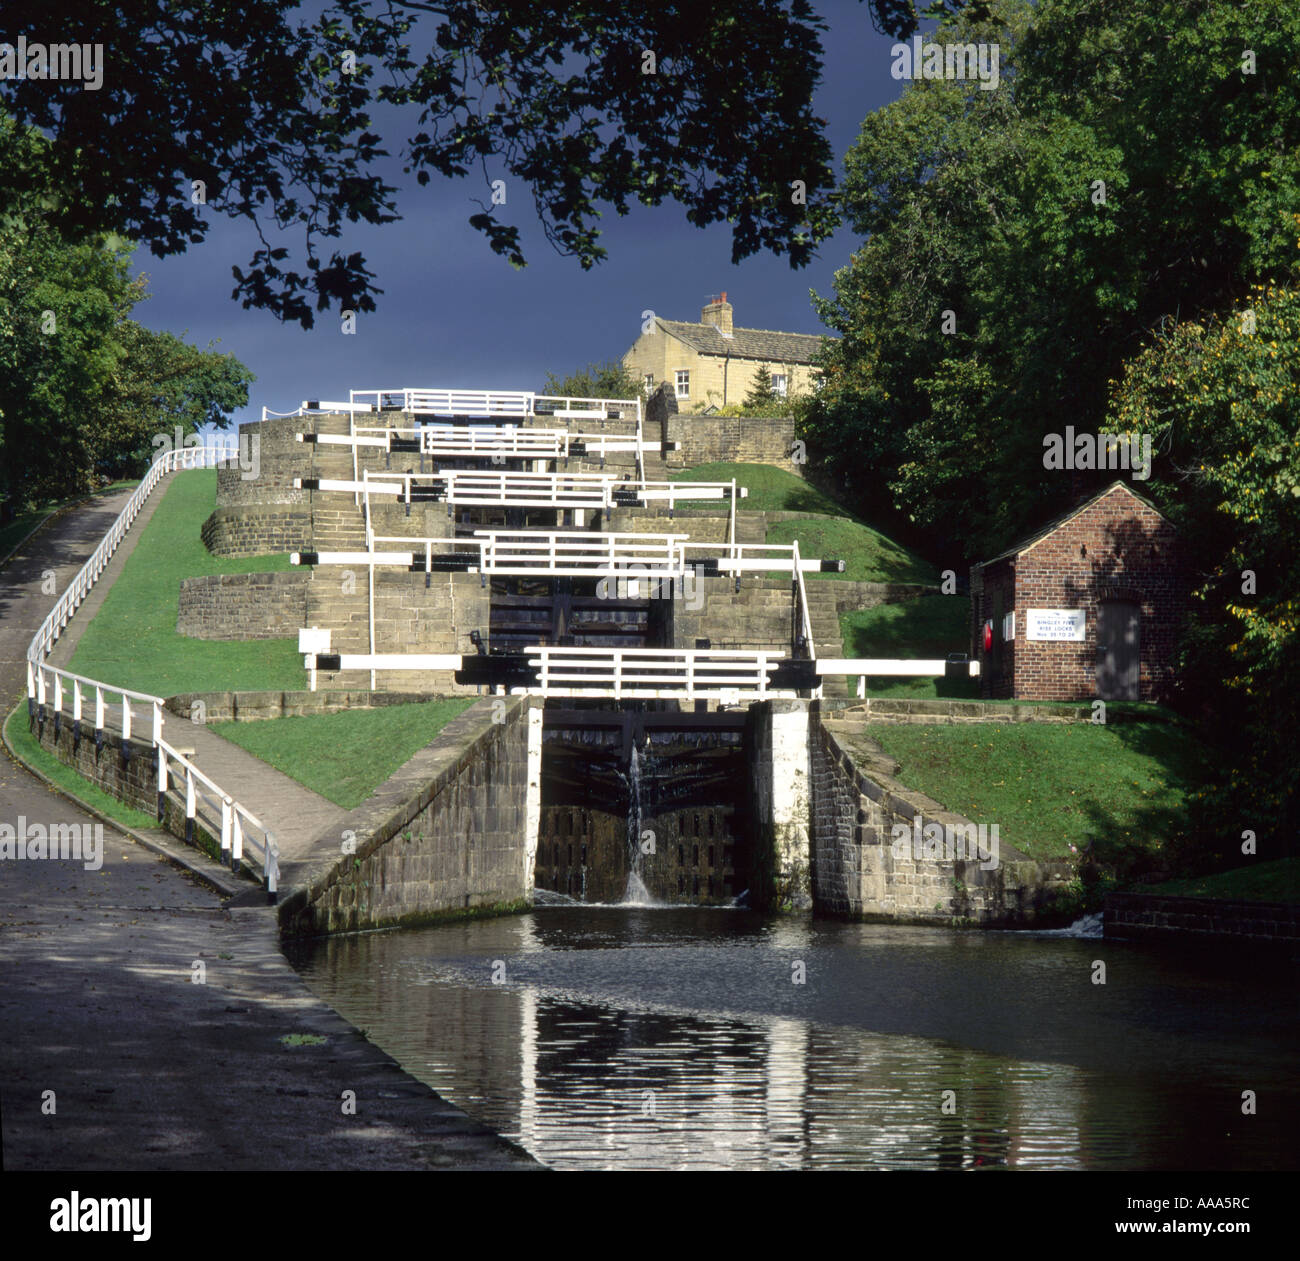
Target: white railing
x=498 y=440
x=479 y=488
x=515 y=553
x=753 y=558
x=49 y=686
x=489 y=403
x=805 y=617
x=312 y=406
x=654 y=673
x=492 y=403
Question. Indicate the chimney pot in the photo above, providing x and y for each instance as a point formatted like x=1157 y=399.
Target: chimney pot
x=718 y=313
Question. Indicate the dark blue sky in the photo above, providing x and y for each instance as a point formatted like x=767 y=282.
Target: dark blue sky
x=453 y=314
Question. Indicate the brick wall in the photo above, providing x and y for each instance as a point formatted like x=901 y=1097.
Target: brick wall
x=1117 y=547
x=243 y=606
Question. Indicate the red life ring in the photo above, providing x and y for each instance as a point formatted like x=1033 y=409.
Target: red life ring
x=988 y=636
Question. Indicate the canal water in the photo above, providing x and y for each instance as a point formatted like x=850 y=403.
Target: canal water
x=627 y=1038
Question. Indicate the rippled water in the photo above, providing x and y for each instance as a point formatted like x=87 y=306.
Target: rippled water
x=619 y=1037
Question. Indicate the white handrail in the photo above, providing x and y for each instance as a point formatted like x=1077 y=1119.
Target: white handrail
x=40 y=676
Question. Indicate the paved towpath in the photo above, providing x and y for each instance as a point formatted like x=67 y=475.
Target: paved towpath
x=296 y=815
x=113 y=1058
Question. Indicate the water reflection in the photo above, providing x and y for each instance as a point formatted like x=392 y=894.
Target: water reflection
x=627 y=1038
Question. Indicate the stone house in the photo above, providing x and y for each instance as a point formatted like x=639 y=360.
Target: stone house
x=713 y=363
x=1088 y=607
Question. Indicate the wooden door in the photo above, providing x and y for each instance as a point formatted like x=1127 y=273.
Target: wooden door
x=1119 y=650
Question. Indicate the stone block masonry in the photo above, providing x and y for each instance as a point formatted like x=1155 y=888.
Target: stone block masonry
x=447 y=836
x=857 y=874
x=1152 y=917
x=243 y=606
x=132 y=780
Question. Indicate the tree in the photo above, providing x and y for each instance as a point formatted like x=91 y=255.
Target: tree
x=597 y=380
x=162 y=384
x=760 y=393
x=1020 y=243
x=250 y=111
x=1218 y=397
x=83 y=388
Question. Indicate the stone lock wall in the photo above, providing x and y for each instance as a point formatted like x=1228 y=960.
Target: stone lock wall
x=1153 y=917
x=776 y=745
x=446 y=836
x=857 y=873
x=243 y=606
x=744 y=439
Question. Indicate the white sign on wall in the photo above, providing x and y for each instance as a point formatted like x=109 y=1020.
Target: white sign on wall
x=1056 y=624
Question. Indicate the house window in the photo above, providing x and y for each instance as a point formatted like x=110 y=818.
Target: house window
x=683 y=383
x=780 y=384
x=649 y=382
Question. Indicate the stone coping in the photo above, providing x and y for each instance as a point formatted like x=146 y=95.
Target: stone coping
x=258 y=706
x=1147 y=916
x=875 y=776
x=401 y=798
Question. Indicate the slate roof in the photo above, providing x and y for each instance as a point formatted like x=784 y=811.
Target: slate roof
x=1056 y=522
x=745 y=343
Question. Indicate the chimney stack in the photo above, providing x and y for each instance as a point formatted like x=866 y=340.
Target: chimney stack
x=718 y=313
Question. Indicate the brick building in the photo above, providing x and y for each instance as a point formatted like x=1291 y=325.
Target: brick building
x=1090 y=606
x=714 y=363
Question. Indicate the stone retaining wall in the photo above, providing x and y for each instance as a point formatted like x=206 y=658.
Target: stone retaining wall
x=132 y=780
x=1153 y=917
x=259 y=706
x=257 y=531
x=446 y=836
x=243 y=606
x=858 y=873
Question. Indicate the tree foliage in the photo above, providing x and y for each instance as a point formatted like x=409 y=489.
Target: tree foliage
x=83 y=387
x=760 y=392
x=577 y=108
x=1219 y=397
x=1020 y=242
x=597 y=380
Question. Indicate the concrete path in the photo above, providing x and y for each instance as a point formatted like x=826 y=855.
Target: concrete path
x=113 y=1057
x=296 y=815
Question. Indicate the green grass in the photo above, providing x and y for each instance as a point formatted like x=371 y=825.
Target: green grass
x=346 y=755
x=771 y=489
x=22 y=525
x=867 y=554
x=1276 y=881
x=932 y=626
x=833 y=534
x=68 y=780
x=132 y=640
x=1123 y=786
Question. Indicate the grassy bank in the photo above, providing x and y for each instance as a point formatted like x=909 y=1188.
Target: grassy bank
x=771 y=489
x=1276 y=881
x=930 y=627
x=132 y=640
x=346 y=755
x=1053 y=789
x=833 y=533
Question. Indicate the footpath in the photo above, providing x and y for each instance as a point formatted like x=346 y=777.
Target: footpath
x=113 y=1056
